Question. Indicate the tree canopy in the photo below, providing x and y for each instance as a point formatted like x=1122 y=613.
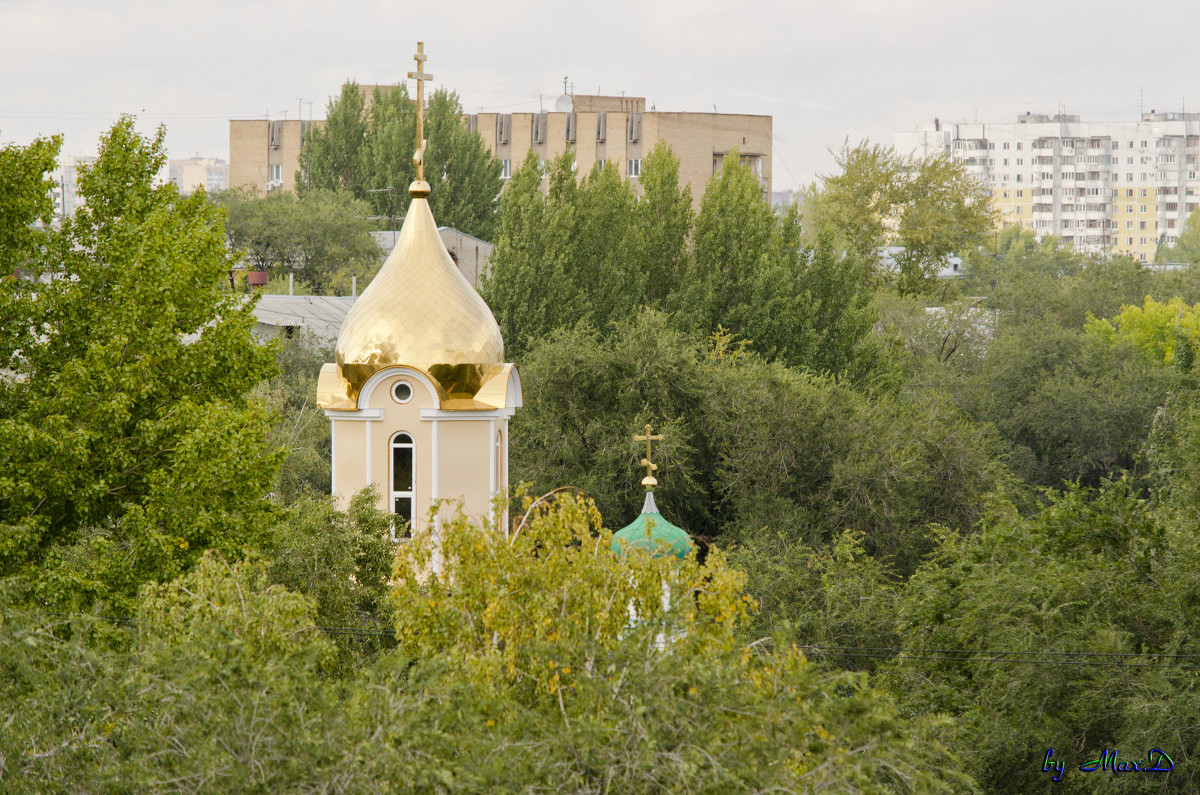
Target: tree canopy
x=592 y=251
x=931 y=207
x=127 y=443
x=323 y=235
x=367 y=151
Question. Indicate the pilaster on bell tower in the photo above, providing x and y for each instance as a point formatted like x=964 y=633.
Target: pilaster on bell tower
x=420 y=395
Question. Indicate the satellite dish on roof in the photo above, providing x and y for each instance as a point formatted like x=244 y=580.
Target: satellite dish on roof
x=564 y=104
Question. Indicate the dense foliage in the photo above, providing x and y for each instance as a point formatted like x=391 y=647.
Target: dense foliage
x=128 y=446
x=952 y=525
x=365 y=149
x=323 y=236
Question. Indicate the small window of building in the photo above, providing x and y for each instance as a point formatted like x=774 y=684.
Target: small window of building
x=403 y=483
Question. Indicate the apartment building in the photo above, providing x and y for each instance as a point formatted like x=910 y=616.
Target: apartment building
x=619 y=130
x=603 y=129
x=1104 y=187
x=189 y=173
x=266 y=154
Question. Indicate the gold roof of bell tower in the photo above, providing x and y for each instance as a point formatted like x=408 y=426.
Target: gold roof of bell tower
x=419 y=310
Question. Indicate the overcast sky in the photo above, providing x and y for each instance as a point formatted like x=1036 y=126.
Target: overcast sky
x=823 y=69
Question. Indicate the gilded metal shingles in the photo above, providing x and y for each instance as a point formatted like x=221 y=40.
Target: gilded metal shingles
x=420 y=311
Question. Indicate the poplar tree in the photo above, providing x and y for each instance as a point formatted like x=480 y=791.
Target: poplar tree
x=368 y=150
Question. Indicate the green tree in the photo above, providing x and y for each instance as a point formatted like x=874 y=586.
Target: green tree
x=25 y=190
x=342 y=561
x=322 y=235
x=1095 y=573
x=664 y=222
x=1071 y=405
x=127 y=443
x=576 y=253
x=531 y=676
x=751 y=444
x=537 y=629
x=736 y=235
x=805 y=306
x=930 y=207
x=367 y=151
x=1186 y=247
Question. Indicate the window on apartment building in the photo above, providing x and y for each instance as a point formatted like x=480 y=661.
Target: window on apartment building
x=1018 y=148
x=634 y=169
x=1006 y=146
x=1129 y=176
x=1141 y=241
x=1020 y=194
x=275 y=173
x=1018 y=177
x=1142 y=193
x=505 y=169
x=1143 y=144
x=1141 y=208
x=1129 y=225
x=1131 y=241
x=600 y=164
x=1129 y=191
x=1020 y=210
x=1128 y=208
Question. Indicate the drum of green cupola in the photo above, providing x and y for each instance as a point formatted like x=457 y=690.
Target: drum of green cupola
x=650 y=531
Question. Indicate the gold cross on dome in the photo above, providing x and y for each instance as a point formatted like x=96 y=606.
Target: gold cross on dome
x=650 y=466
x=420 y=76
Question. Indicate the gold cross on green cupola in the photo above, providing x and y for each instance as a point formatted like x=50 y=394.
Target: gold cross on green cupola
x=420 y=188
x=648 y=437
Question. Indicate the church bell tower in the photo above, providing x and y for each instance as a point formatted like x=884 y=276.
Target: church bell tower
x=419 y=395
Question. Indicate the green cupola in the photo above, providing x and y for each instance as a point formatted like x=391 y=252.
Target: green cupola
x=650 y=531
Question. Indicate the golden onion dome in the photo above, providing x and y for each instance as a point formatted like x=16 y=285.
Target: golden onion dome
x=420 y=311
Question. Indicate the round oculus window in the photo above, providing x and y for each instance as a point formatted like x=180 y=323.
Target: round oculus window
x=402 y=392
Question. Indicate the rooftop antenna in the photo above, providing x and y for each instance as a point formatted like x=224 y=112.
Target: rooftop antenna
x=564 y=84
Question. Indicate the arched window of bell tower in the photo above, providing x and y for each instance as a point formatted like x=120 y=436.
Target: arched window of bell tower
x=403 y=483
